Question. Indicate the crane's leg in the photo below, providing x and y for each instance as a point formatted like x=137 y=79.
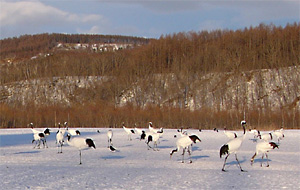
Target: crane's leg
x=80 y=157
x=190 y=153
x=267 y=160
x=225 y=163
x=252 y=159
x=61 y=147
x=39 y=144
x=183 y=155
x=46 y=143
x=35 y=143
x=148 y=145
x=262 y=159
x=238 y=162
x=156 y=146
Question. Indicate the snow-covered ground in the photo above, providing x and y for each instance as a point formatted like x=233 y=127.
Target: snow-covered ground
x=136 y=167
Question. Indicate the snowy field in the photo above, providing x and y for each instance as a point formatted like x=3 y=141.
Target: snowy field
x=133 y=166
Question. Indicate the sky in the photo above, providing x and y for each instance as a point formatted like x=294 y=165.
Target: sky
x=141 y=18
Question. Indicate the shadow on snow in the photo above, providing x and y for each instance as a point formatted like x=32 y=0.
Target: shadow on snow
x=112 y=157
x=28 y=152
x=199 y=157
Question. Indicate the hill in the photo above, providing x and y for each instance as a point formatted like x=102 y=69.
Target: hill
x=195 y=79
x=27 y=46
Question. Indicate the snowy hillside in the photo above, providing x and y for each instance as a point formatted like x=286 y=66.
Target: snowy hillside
x=133 y=166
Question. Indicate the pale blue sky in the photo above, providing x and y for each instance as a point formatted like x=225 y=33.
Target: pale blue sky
x=143 y=18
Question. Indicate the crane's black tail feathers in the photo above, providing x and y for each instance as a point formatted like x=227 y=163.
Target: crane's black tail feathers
x=274 y=145
x=112 y=148
x=90 y=143
x=150 y=138
x=224 y=150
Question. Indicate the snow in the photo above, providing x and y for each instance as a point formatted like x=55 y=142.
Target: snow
x=133 y=166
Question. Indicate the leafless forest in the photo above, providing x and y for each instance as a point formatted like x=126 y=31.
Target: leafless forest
x=191 y=79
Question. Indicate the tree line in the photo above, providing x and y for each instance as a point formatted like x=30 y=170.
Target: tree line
x=186 y=55
x=27 y=46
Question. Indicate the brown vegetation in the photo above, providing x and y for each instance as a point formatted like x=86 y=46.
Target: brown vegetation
x=187 y=56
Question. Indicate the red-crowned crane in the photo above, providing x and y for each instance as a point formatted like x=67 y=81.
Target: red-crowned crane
x=109 y=140
x=80 y=143
x=153 y=130
x=153 y=137
x=129 y=131
x=266 y=136
x=73 y=132
x=279 y=134
x=255 y=133
x=233 y=146
x=39 y=136
x=184 y=143
x=230 y=134
x=139 y=131
x=263 y=147
x=60 y=138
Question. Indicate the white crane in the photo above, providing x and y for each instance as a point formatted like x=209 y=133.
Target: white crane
x=254 y=132
x=139 y=131
x=80 y=143
x=109 y=137
x=39 y=136
x=60 y=138
x=182 y=132
x=230 y=134
x=263 y=147
x=72 y=132
x=129 y=131
x=109 y=140
x=266 y=136
x=233 y=146
x=184 y=143
x=279 y=134
x=153 y=137
x=153 y=130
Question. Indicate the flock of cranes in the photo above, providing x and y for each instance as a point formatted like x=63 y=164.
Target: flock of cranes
x=184 y=142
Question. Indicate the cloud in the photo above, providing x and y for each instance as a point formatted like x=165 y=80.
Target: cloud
x=13 y=13
x=150 y=18
x=34 y=16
